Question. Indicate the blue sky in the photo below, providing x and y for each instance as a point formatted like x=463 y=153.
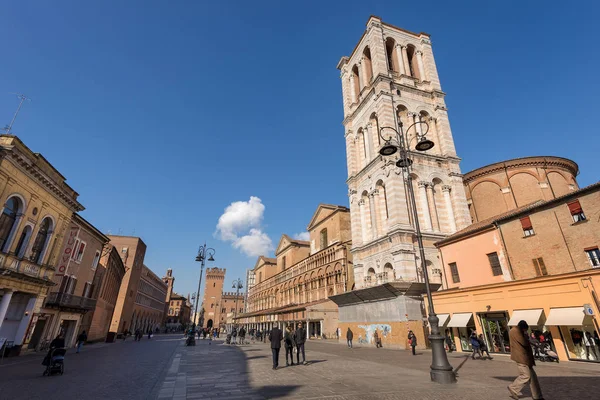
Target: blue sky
x=161 y=114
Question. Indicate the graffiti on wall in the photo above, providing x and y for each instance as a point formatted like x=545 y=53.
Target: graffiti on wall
x=383 y=329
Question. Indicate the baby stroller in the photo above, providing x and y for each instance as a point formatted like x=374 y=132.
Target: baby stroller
x=55 y=361
x=546 y=353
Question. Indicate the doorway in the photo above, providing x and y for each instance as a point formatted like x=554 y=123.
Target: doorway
x=495 y=332
x=37 y=333
x=209 y=324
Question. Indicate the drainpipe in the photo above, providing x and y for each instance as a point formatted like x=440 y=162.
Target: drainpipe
x=443 y=268
x=510 y=268
x=565 y=240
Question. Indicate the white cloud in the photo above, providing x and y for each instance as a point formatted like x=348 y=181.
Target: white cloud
x=240 y=224
x=255 y=244
x=302 y=236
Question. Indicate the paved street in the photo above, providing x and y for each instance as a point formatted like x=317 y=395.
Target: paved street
x=163 y=368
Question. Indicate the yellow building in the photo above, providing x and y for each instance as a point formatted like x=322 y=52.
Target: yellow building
x=37 y=209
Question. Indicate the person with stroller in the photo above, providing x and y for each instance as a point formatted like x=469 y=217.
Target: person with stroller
x=57 y=343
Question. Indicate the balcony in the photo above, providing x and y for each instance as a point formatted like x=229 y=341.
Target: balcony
x=21 y=268
x=65 y=300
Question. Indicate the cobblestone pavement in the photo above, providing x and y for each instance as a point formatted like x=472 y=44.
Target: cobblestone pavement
x=122 y=370
x=163 y=368
x=219 y=371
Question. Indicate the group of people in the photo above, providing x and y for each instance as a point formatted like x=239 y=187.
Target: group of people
x=478 y=345
x=208 y=332
x=376 y=338
x=139 y=334
x=235 y=334
x=293 y=339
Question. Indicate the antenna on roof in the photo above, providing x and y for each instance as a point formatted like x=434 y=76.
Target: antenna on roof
x=8 y=127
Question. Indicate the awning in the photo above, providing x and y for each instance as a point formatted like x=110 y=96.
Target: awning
x=568 y=316
x=443 y=319
x=460 y=320
x=532 y=317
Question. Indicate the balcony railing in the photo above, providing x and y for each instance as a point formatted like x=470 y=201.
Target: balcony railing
x=69 y=301
x=26 y=267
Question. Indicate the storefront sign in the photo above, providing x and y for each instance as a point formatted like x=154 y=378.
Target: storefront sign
x=588 y=310
x=66 y=255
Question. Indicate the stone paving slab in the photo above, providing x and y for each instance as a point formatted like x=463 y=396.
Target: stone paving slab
x=219 y=371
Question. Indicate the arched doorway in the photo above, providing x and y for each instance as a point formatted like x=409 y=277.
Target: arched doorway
x=209 y=324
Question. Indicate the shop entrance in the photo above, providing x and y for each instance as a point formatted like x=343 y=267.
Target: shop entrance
x=495 y=331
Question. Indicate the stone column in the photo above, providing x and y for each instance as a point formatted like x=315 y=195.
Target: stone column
x=363 y=72
x=425 y=205
x=368 y=135
x=419 y=126
x=373 y=212
x=446 y=191
x=400 y=50
x=421 y=67
x=363 y=220
x=4 y=304
x=353 y=94
x=405 y=59
x=24 y=324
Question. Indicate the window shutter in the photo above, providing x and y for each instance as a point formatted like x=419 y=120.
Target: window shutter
x=575 y=207
x=526 y=223
x=543 y=269
x=537 y=267
x=495 y=264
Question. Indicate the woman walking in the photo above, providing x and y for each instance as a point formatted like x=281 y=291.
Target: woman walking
x=412 y=340
x=290 y=344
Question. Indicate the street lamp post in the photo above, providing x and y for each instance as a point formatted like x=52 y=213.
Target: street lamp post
x=237 y=285
x=203 y=253
x=441 y=371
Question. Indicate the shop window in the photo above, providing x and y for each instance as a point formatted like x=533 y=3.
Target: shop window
x=527 y=227
x=540 y=267
x=576 y=211
x=495 y=264
x=593 y=255
x=454 y=271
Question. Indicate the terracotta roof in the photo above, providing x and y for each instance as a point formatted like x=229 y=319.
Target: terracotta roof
x=489 y=222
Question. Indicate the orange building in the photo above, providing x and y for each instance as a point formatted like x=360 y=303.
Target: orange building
x=538 y=262
x=211 y=302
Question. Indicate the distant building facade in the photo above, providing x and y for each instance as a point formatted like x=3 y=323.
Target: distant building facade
x=179 y=312
x=211 y=301
x=132 y=251
x=108 y=277
x=149 y=308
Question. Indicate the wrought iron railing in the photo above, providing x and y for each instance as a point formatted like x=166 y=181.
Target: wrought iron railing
x=70 y=301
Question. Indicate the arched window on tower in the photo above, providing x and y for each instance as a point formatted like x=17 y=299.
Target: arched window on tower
x=390 y=51
x=411 y=52
x=368 y=66
x=355 y=83
x=41 y=242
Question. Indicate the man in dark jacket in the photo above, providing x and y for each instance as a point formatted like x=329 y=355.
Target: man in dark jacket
x=521 y=353
x=412 y=339
x=290 y=344
x=300 y=337
x=275 y=337
x=349 y=337
x=81 y=339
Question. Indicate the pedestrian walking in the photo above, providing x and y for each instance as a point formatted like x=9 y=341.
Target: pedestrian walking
x=475 y=345
x=377 y=340
x=300 y=338
x=449 y=341
x=290 y=344
x=234 y=334
x=242 y=335
x=149 y=333
x=482 y=346
x=275 y=337
x=412 y=340
x=82 y=338
x=521 y=353
x=349 y=337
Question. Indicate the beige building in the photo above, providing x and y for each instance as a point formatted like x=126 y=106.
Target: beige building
x=179 y=312
x=74 y=294
x=107 y=281
x=132 y=251
x=38 y=206
x=295 y=286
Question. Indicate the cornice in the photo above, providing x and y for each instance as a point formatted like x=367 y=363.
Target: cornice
x=536 y=161
x=35 y=173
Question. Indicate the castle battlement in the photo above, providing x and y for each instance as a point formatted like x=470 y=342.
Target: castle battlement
x=232 y=294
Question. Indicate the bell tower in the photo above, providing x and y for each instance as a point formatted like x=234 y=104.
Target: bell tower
x=391 y=78
x=213 y=293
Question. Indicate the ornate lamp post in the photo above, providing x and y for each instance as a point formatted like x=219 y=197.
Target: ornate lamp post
x=203 y=254
x=237 y=285
x=441 y=370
